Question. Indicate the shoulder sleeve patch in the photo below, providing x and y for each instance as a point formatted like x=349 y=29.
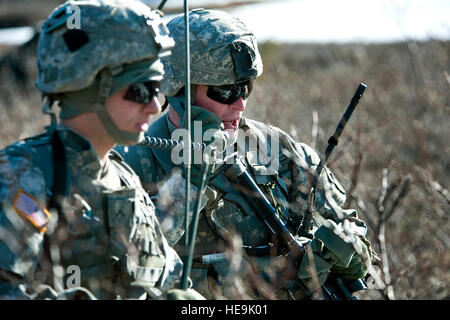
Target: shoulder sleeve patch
x=28 y=206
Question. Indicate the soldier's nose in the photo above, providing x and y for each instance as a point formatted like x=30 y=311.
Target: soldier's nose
x=153 y=107
x=238 y=105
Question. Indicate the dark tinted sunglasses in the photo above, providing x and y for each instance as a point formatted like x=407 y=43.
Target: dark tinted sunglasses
x=227 y=94
x=142 y=92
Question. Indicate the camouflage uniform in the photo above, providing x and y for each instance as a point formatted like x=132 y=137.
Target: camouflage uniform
x=283 y=179
x=112 y=237
x=99 y=219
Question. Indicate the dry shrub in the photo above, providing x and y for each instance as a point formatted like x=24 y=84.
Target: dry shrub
x=401 y=124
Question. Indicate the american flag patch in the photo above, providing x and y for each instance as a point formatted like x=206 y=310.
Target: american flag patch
x=28 y=206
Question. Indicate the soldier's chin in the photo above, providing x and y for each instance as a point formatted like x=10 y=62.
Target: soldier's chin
x=140 y=137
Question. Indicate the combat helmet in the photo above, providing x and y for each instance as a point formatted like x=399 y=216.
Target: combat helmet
x=223 y=50
x=88 y=50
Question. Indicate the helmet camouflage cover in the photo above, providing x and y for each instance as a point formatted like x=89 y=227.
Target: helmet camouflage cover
x=223 y=50
x=114 y=43
x=109 y=33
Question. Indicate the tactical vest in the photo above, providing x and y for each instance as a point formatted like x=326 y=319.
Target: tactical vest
x=230 y=210
x=286 y=187
x=226 y=209
x=119 y=248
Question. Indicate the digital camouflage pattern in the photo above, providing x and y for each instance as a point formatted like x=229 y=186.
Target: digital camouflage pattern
x=117 y=43
x=339 y=244
x=111 y=33
x=226 y=211
x=117 y=244
x=236 y=59
x=105 y=225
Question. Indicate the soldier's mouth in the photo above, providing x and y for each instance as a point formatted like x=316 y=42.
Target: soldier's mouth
x=233 y=124
x=143 y=126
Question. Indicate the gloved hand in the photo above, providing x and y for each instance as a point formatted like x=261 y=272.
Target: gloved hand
x=314 y=274
x=188 y=294
x=340 y=263
x=213 y=135
x=357 y=267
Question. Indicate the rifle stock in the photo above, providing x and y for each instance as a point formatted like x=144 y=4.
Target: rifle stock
x=261 y=206
x=334 y=288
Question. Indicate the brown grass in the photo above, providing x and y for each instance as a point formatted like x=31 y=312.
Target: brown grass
x=401 y=125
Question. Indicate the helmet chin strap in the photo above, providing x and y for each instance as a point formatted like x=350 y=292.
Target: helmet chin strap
x=47 y=109
x=119 y=136
x=177 y=103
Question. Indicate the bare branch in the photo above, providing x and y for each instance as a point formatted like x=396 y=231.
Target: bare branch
x=362 y=208
x=403 y=191
x=315 y=129
x=389 y=291
x=434 y=185
x=447 y=77
x=383 y=192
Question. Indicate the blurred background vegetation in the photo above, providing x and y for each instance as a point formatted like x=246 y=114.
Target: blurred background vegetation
x=393 y=157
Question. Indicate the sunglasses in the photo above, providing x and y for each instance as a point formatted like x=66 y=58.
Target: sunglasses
x=142 y=92
x=227 y=94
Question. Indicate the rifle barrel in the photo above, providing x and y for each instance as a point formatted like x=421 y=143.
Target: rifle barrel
x=334 y=139
x=303 y=223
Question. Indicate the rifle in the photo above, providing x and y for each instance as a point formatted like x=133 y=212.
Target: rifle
x=302 y=223
x=335 y=288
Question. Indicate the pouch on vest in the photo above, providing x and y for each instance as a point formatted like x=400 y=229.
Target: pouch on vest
x=138 y=249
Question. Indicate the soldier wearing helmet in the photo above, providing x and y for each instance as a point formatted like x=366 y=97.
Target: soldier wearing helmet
x=74 y=219
x=224 y=65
